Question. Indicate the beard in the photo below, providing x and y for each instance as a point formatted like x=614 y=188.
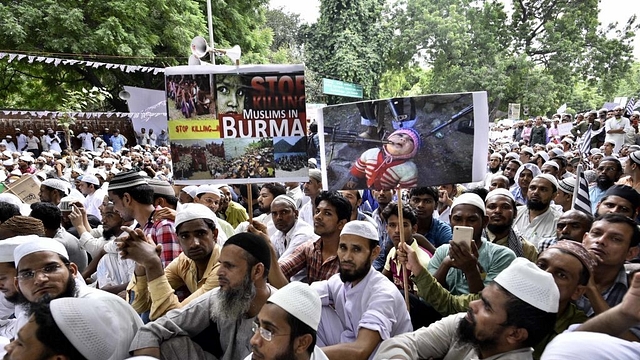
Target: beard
x=84 y=167
x=13 y=298
x=466 y=334
x=604 y=182
x=110 y=232
x=499 y=229
x=70 y=290
x=287 y=354
x=232 y=304
x=536 y=205
x=494 y=170
x=355 y=274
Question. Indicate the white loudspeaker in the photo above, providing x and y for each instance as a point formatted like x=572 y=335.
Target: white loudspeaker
x=124 y=95
x=193 y=60
x=199 y=46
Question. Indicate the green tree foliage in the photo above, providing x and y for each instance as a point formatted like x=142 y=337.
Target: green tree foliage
x=136 y=32
x=532 y=55
x=286 y=45
x=349 y=42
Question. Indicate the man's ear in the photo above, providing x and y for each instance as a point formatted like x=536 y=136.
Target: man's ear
x=517 y=335
x=580 y=290
x=73 y=268
x=633 y=252
x=302 y=343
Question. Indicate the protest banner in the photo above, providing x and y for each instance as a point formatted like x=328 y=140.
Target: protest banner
x=405 y=142
x=564 y=129
x=244 y=124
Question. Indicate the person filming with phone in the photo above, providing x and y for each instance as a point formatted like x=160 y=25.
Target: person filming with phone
x=469 y=262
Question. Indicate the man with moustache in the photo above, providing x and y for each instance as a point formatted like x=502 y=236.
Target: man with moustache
x=291 y=231
x=538 y=219
x=462 y=269
x=612 y=240
x=316 y=259
x=293 y=312
x=10 y=296
x=619 y=199
x=311 y=188
x=510 y=171
x=361 y=307
x=515 y=312
x=501 y=211
x=572 y=225
x=195 y=268
x=219 y=323
x=268 y=192
x=495 y=160
x=44 y=273
x=608 y=171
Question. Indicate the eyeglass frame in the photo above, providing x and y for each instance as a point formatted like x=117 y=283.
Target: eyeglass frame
x=264 y=333
x=54 y=268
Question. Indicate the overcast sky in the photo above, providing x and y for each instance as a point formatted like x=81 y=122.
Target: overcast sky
x=610 y=11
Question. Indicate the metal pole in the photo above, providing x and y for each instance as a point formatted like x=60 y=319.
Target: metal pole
x=213 y=58
x=212 y=44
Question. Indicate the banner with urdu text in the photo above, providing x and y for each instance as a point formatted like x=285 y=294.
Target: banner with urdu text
x=239 y=125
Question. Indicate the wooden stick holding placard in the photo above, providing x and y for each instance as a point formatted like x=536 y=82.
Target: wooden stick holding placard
x=405 y=279
x=249 y=203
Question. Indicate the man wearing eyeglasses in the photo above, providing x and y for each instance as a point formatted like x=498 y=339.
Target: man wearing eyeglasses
x=287 y=325
x=44 y=273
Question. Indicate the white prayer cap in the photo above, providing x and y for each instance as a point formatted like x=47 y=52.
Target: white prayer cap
x=552 y=163
x=191 y=190
x=287 y=199
x=102 y=174
x=42 y=244
x=552 y=179
x=26 y=158
x=90 y=179
x=42 y=175
x=108 y=161
x=194 y=211
x=526 y=281
x=211 y=189
x=11 y=199
x=301 y=301
x=568 y=140
x=361 y=228
x=557 y=151
x=500 y=191
x=469 y=199
x=99 y=328
x=161 y=187
x=46 y=153
x=7 y=246
x=567 y=185
x=543 y=155
x=527 y=150
x=8 y=163
x=16 y=172
x=58 y=184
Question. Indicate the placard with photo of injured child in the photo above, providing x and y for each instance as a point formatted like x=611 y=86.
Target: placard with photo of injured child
x=405 y=142
x=246 y=123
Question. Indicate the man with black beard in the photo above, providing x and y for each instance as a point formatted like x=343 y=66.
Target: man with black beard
x=608 y=171
x=44 y=273
x=515 y=312
x=538 y=219
x=501 y=211
x=495 y=160
x=361 y=307
x=219 y=323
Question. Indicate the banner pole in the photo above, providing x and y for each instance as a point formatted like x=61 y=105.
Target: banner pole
x=405 y=278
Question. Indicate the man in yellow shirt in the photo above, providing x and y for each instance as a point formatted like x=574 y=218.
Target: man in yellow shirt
x=196 y=267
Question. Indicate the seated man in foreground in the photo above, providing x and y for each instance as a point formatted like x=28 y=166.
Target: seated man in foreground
x=361 y=307
x=514 y=313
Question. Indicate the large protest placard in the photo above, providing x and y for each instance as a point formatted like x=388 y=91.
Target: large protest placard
x=244 y=124
x=406 y=142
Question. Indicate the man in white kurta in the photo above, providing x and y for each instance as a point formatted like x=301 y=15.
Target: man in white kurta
x=367 y=300
x=616 y=128
x=538 y=219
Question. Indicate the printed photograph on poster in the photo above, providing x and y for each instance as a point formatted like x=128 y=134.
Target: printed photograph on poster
x=223 y=159
x=406 y=142
x=251 y=128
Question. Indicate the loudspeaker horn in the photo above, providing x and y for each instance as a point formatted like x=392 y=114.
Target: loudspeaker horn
x=199 y=46
x=124 y=95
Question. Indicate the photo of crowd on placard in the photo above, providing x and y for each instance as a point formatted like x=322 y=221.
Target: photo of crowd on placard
x=223 y=159
x=401 y=142
x=291 y=155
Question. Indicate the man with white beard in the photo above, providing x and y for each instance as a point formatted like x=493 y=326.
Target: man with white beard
x=219 y=323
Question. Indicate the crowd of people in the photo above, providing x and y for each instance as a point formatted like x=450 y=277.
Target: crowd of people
x=114 y=261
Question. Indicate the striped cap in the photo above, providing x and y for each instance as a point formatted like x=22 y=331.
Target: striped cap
x=125 y=180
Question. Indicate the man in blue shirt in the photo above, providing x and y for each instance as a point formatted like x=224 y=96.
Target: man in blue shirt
x=424 y=200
